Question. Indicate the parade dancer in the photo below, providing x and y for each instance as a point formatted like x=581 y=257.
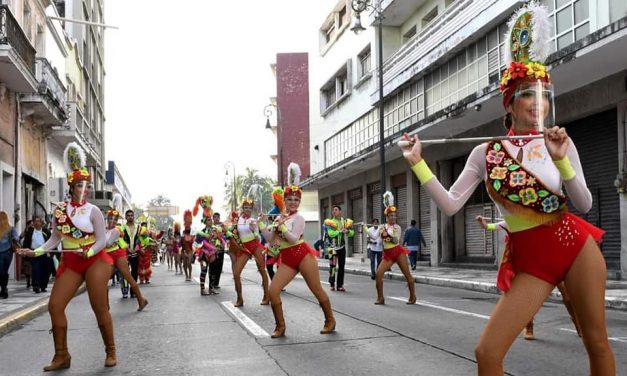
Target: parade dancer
x=248 y=233
x=272 y=247
x=205 y=241
x=176 y=249
x=295 y=256
x=528 y=332
x=187 y=245
x=143 y=248
x=215 y=268
x=393 y=252
x=337 y=229
x=117 y=248
x=79 y=226
x=524 y=179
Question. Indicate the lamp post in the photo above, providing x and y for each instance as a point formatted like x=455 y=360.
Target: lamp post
x=231 y=166
x=375 y=7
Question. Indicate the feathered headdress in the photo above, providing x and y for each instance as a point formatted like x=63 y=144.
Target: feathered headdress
x=187 y=219
x=74 y=162
x=528 y=36
x=205 y=203
x=293 y=180
x=278 y=199
x=177 y=228
x=388 y=202
x=254 y=193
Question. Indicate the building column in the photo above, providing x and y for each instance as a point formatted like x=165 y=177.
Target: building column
x=442 y=223
x=622 y=197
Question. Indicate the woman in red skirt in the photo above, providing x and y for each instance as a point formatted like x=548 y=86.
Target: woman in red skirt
x=393 y=252
x=295 y=256
x=79 y=226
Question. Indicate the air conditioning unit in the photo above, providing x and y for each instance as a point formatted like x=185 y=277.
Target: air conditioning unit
x=103 y=195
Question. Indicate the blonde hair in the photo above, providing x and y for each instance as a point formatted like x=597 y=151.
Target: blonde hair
x=5 y=226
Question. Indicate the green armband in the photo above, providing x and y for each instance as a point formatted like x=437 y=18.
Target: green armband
x=566 y=170
x=39 y=251
x=90 y=252
x=262 y=225
x=422 y=171
x=491 y=227
x=283 y=228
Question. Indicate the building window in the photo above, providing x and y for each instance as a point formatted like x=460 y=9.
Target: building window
x=336 y=22
x=570 y=20
x=409 y=34
x=364 y=58
x=335 y=89
x=430 y=16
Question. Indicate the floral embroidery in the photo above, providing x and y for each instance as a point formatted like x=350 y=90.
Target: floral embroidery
x=536 y=70
x=498 y=173
x=65 y=229
x=65 y=225
x=550 y=204
x=62 y=218
x=495 y=157
x=58 y=213
x=528 y=196
x=531 y=180
x=507 y=162
x=517 y=178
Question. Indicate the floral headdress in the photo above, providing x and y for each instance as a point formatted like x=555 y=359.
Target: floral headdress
x=388 y=202
x=293 y=180
x=116 y=203
x=528 y=36
x=187 y=219
x=74 y=162
x=253 y=191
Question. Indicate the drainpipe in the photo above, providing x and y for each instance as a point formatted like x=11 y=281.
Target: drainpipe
x=16 y=162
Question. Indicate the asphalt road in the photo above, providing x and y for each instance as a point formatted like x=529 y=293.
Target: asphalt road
x=183 y=333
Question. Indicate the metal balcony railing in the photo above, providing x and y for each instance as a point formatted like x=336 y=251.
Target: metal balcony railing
x=12 y=34
x=49 y=82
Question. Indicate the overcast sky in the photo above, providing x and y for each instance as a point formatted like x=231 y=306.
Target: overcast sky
x=186 y=85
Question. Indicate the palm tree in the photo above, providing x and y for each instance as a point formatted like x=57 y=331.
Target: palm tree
x=243 y=184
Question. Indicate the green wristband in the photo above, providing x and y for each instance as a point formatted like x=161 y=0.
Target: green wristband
x=283 y=228
x=39 y=251
x=491 y=227
x=90 y=252
x=262 y=225
x=422 y=171
x=566 y=170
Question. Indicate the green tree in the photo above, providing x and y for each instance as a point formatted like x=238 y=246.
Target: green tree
x=243 y=184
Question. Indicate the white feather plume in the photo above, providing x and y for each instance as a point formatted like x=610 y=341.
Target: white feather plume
x=73 y=157
x=116 y=202
x=388 y=199
x=540 y=34
x=293 y=174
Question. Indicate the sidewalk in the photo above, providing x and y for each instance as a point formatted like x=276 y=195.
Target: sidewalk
x=23 y=305
x=468 y=279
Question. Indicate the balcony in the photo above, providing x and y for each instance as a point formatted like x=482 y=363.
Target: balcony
x=17 y=56
x=443 y=37
x=48 y=105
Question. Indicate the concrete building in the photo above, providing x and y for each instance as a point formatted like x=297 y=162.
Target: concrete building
x=442 y=65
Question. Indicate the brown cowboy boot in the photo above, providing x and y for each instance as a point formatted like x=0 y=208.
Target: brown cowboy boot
x=107 y=337
x=238 y=290
x=528 y=332
x=379 y=286
x=279 y=330
x=329 y=320
x=412 y=292
x=265 y=283
x=62 y=358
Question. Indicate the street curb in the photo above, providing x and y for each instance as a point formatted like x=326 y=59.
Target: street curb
x=23 y=316
x=486 y=287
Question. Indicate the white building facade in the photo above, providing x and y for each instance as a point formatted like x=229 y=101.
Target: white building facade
x=442 y=65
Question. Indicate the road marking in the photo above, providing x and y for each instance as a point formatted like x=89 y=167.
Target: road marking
x=245 y=321
x=453 y=310
x=615 y=339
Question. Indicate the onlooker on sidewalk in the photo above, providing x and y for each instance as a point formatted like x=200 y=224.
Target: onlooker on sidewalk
x=375 y=247
x=8 y=244
x=26 y=266
x=34 y=237
x=413 y=241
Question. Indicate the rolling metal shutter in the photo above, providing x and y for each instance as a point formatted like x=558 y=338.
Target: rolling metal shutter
x=356 y=214
x=401 y=209
x=479 y=243
x=424 y=221
x=375 y=201
x=596 y=139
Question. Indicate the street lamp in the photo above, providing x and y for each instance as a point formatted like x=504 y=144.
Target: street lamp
x=375 y=7
x=268 y=111
x=231 y=166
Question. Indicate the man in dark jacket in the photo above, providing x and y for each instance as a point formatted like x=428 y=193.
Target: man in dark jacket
x=413 y=240
x=34 y=237
x=131 y=237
